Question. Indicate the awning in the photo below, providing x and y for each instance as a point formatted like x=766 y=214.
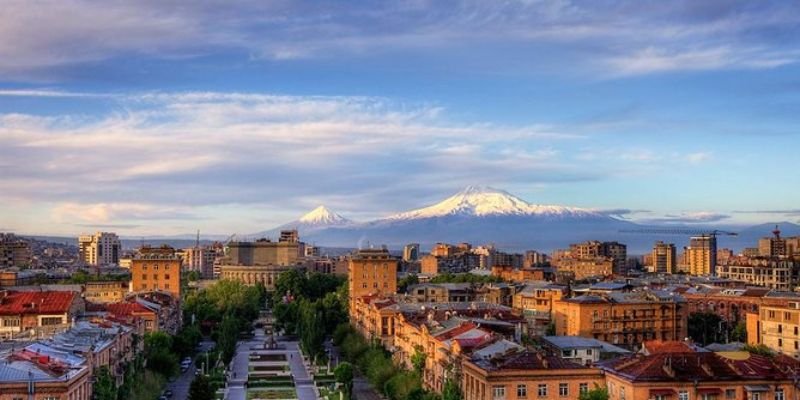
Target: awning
x=662 y=392
x=756 y=388
x=709 y=391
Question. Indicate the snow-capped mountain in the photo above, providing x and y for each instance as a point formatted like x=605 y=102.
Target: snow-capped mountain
x=482 y=201
x=323 y=216
x=476 y=214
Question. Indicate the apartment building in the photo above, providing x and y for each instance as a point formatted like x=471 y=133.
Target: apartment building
x=156 y=269
x=678 y=372
x=777 y=327
x=623 y=319
x=14 y=252
x=371 y=272
x=32 y=314
x=102 y=248
x=701 y=255
x=664 y=258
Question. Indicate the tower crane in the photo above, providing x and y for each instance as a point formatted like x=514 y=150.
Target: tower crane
x=680 y=231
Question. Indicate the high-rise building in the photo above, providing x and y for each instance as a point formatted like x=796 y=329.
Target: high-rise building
x=102 y=248
x=14 y=252
x=200 y=259
x=534 y=258
x=411 y=252
x=371 y=272
x=594 y=249
x=664 y=258
x=156 y=269
x=774 y=246
x=702 y=255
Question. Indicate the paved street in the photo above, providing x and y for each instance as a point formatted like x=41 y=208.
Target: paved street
x=303 y=382
x=180 y=387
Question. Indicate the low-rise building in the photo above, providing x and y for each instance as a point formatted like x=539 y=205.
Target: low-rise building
x=34 y=314
x=623 y=319
x=526 y=375
x=677 y=371
x=580 y=350
x=28 y=374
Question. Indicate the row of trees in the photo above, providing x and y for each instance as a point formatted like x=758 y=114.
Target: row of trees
x=309 y=305
x=376 y=364
x=708 y=327
x=223 y=311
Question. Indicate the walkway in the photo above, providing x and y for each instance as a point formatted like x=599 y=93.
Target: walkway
x=304 y=384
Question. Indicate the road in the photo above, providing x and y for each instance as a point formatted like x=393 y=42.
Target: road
x=180 y=387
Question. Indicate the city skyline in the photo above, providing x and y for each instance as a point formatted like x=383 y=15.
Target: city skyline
x=238 y=118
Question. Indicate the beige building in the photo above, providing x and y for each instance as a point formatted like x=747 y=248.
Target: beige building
x=664 y=258
x=102 y=248
x=371 y=272
x=156 y=269
x=105 y=291
x=262 y=261
x=702 y=255
x=777 y=327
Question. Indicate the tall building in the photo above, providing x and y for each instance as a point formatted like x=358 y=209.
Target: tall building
x=664 y=258
x=371 y=272
x=593 y=249
x=774 y=246
x=156 y=269
x=262 y=261
x=14 y=252
x=102 y=248
x=702 y=255
x=534 y=258
x=200 y=259
x=411 y=252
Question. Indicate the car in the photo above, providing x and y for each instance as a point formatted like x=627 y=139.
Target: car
x=168 y=393
x=162 y=398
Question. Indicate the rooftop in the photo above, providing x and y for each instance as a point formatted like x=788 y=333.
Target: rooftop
x=47 y=302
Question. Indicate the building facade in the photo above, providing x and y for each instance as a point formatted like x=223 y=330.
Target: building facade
x=102 y=248
x=156 y=269
x=371 y=272
x=702 y=255
x=664 y=258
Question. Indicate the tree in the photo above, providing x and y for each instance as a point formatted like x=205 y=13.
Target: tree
x=344 y=375
x=760 y=349
x=451 y=391
x=418 y=360
x=598 y=393
x=104 y=386
x=201 y=389
x=403 y=284
x=158 y=353
x=228 y=335
x=704 y=327
x=739 y=333
x=312 y=333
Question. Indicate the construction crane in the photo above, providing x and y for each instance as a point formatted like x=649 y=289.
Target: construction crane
x=679 y=231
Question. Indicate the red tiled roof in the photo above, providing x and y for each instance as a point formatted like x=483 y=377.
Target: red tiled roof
x=466 y=327
x=529 y=360
x=126 y=309
x=702 y=366
x=49 y=302
x=672 y=346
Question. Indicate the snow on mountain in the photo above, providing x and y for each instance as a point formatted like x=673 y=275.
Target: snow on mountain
x=481 y=201
x=323 y=216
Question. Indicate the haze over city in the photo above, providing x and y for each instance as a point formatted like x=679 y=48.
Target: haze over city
x=149 y=118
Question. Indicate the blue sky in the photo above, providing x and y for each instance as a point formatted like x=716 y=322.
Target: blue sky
x=165 y=117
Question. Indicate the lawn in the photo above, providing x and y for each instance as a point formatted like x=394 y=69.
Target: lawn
x=265 y=394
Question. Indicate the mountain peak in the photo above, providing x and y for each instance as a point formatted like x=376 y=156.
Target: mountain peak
x=323 y=215
x=486 y=201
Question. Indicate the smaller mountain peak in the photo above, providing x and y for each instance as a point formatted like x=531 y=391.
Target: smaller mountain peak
x=322 y=215
x=480 y=189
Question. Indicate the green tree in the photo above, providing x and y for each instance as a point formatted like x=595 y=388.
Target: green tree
x=401 y=385
x=739 y=333
x=598 y=393
x=344 y=375
x=105 y=388
x=403 y=284
x=418 y=360
x=451 y=391
x=158 y=353
x=201 y=389
x=312 y=333
x=704 y=327
x=228 y=335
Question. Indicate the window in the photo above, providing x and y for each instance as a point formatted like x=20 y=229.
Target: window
x=583 y=387
x=51 y=321
x=779 y=394
x=364 y=285
x=683 y=395
x=622 y=393
x=795 y=330
x=730 y=393
x=542 y=392
x=780 y=328
x=144 y=277
x=755 y=396
x=499 y=392
x=522 y=391
x=780 y=343
x=566 y=353
x=787 y=316
x=588 y=352
x=771 y=313
x=166 y=276
x=166 y=286
x=563 y=389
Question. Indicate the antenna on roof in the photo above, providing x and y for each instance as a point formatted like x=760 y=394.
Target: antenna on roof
x=197 y=242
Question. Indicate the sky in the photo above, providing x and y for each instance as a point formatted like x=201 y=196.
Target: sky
x=163 y=117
